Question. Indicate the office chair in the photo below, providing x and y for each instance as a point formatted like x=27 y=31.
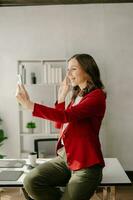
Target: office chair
x=45 y=147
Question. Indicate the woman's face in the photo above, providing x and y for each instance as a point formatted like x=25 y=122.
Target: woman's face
x=76 y=74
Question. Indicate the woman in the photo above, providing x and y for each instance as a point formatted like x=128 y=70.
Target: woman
x=79 y=160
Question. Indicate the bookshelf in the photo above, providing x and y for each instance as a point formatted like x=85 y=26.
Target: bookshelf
x=41 y=78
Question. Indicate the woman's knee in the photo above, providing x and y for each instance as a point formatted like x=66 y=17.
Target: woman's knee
x=30 y=181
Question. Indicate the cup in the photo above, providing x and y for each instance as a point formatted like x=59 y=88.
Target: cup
x=32 y=158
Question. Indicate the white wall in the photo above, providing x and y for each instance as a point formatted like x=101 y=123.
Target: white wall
x=102 y=30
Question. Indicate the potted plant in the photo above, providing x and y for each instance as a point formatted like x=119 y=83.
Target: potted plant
x=31 y=126
x=2 y=138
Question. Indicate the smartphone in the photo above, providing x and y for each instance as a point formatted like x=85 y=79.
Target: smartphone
x=20 y=82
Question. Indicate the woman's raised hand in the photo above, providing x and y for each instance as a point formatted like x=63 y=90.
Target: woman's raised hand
x=23 y=97
x=63 y=89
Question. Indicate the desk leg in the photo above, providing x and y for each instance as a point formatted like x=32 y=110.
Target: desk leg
x=112 y=193
x=1 y=190
x=96 y=197
x=105 y=193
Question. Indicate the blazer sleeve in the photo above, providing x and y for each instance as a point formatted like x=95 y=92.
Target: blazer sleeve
x=91 y=106
x=59 y=106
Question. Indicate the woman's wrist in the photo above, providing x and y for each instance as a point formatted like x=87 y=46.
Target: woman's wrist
x=60 y=100
x=30 y=105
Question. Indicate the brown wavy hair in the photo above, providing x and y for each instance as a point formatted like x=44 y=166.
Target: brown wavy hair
x=88 y=64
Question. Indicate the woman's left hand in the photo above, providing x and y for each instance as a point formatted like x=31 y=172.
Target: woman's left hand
x=23 y=97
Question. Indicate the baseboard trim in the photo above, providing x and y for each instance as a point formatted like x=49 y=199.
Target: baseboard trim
x=130 y=175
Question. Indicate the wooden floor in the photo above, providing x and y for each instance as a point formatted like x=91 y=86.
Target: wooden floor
x=123 y=193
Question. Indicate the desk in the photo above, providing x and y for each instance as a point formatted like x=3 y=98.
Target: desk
x=113 y=175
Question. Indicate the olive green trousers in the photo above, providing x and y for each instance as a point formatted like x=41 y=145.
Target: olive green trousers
x=44 y=181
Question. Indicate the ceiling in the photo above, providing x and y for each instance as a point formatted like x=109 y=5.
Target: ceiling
x=56 y=2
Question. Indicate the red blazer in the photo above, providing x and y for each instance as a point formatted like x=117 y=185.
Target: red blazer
x=81 y=136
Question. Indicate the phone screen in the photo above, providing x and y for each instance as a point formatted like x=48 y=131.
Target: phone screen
x=20 y=79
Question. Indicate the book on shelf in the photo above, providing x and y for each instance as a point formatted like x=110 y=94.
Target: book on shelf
x=47 y=127
x=52 y=74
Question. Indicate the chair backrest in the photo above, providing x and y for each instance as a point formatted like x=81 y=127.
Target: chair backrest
x=45 y=147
